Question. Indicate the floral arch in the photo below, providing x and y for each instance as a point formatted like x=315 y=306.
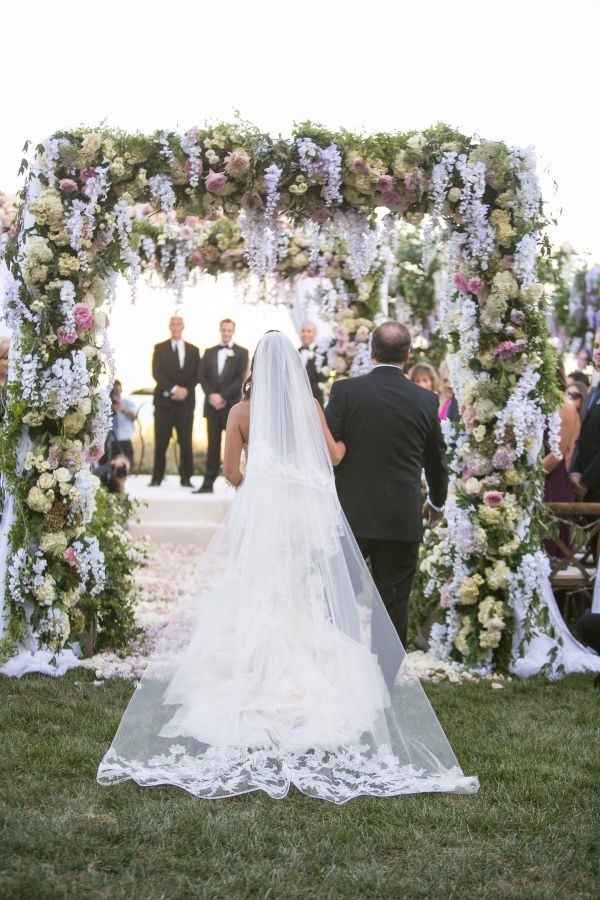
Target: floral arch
x=229 y=198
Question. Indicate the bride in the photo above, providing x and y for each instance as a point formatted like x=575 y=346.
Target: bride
x=281 y=665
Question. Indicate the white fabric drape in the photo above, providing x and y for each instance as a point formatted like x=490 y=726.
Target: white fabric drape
x=283 y=667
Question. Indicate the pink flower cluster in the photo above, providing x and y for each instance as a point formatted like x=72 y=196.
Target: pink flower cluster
x=493 y=498
x=70 y=557
x=508 y=349
x=84 y=318
x=468 y=285
x=215 y=182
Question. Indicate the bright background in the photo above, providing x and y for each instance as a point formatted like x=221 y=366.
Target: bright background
x=525 y=72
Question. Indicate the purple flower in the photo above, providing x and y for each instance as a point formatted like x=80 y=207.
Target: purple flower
x=509 y=349
x=503 y=458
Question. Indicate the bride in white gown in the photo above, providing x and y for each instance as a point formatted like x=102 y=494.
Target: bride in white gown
x=282 y=667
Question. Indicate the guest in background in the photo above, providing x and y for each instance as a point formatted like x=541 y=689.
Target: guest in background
x=309 y=354
x=585 y=466
x=124 y=416
x=578 y=377
x=583 y=358
x=425 y=376
x=221 y=373
x=577 y=394
x=175 y=369
x=558 y=485
x=448 y=408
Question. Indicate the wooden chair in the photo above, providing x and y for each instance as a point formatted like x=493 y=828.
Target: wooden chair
x=573 y=573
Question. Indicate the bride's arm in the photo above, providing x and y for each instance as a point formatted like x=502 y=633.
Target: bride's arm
x=234 y=444
x=337 y=449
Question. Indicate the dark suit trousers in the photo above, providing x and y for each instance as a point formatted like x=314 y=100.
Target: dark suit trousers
x=216 y=422
x=393 y=564
x=168 y=416
x=588 y=628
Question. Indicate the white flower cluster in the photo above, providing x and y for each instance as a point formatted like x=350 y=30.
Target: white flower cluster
x=162 y=190
x=90 y=565
x=479 y=235
x=525 y=262
x=193 y=151
x=128 y=254
x=362 y=243
x=523 y=415
x=67 y=384
x=82 y=496
x=67 y=305
x=529 y=194
x=322 y=166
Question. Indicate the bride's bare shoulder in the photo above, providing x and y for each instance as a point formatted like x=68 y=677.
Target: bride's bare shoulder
x=240 y=412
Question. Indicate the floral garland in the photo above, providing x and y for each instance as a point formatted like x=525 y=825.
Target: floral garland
x=76 y=230
x=578 y=315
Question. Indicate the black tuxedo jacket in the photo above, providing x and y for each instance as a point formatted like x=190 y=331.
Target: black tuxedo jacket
x=167 y=373
x=391 y=430
x=586 y=458
x=231 y=380
x=315 y=378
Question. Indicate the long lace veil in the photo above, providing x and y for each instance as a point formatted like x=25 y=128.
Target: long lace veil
x=281 y=666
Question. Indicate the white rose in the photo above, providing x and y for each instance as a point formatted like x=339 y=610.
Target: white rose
x=472 y=486
x=454 y=195
x=417 y=142
x=89 y=351
x=85 y=406
x=100 y=319
x=46 y=481
x=62 y=475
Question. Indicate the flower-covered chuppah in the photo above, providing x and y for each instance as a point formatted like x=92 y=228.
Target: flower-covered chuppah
x=77 y=229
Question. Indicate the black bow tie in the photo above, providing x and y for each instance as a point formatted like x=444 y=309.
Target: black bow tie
x=224 y=347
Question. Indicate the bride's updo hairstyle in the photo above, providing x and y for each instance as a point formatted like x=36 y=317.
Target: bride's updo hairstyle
x=247 y=388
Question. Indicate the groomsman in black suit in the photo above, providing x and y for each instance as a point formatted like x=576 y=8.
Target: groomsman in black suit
x=391 y=430
x=175 y=369
x=222 y=372
x=308 y=352
x=585 y=465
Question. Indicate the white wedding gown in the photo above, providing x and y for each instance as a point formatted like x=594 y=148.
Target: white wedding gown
x=282 y=666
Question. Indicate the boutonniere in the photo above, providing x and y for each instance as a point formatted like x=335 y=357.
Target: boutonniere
x=230 y=353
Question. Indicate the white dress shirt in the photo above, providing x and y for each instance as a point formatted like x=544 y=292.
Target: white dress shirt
x=222 y=356
x=308 y=353
x=180 y=347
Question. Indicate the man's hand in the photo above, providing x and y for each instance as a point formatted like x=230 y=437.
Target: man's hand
x=432 y=516
x=216 y=401
x=179 y=393
x=579 y=486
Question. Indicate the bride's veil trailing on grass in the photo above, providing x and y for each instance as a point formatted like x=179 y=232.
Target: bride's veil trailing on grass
x=282 y=666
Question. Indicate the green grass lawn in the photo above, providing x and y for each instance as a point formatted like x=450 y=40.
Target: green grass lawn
x=532 y=832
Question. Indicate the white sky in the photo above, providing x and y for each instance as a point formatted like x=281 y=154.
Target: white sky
x=525 y=72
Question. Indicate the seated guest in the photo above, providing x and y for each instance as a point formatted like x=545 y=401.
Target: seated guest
x=425 y=376
x=558 y=487
x=577 y=393
x=124 y=416
x=585 y=465
x=448 y=408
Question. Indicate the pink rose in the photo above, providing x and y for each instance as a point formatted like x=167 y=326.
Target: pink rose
x=508 y=349
x=83 y=316
x=65 y=337
x=493 y=498
x=86 y=174
x=475 y=286
x=385 y=184
x=237 y=162
x=215 y=182
x=70 y=557
x=68 y=186
x=410 y=181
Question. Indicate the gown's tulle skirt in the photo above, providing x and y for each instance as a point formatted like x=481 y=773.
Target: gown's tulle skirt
x=282 y=667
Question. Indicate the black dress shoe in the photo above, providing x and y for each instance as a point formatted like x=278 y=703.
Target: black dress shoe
x=204 y=489
x=154 y=483
x=186 y=483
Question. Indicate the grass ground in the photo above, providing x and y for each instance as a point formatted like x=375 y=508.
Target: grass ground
x=532 y=832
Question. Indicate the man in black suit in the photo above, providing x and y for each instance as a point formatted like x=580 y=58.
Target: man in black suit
x=222 y=372
x=175 y=369
x=391 y=431
x=585 y=466
x=309 y=353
